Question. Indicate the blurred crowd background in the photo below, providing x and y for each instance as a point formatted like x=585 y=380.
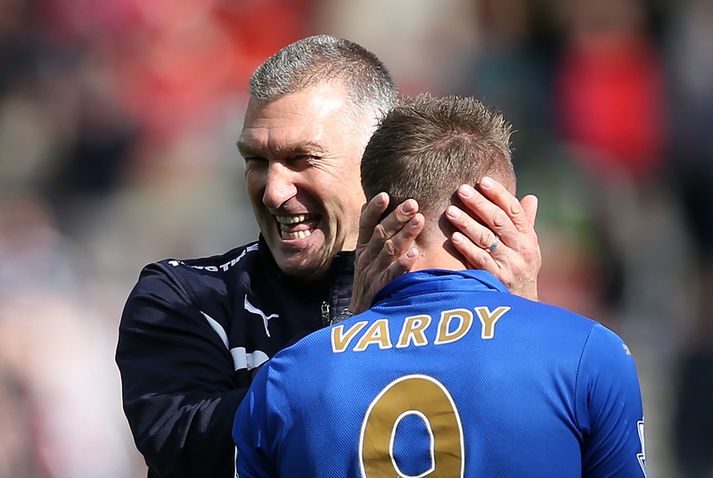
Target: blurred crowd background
x=118 y=122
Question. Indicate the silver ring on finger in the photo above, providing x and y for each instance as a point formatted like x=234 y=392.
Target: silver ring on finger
x=495 y=243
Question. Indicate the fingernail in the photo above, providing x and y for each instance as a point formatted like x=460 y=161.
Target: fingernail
x=457 y=238
x=486 y=182
x=413 y=252
x=381 y=199
x=408 y=207
x=452 y=212
x=466 y=190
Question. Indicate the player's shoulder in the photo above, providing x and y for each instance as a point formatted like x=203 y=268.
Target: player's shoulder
x=599 y=338
x=602 y=341
x=562 y=329
x=552 y=316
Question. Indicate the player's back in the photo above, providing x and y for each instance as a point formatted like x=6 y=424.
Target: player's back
x=450 y=372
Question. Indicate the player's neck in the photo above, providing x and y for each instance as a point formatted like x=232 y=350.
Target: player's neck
x=438 y=254
x=434 y=246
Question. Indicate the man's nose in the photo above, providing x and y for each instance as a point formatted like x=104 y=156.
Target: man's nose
x=279 y=187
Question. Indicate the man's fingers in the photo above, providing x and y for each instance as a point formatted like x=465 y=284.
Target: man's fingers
x=500 y=196
x=489 y=213
x=397 y=256
x=529 y=204
x=390 y=226
x=404 y=239
x=370 y=215
x=475 y=256
x=516 y=260
x=398 y=218
x=401 y=265
x=400 y=243
x=475 y=232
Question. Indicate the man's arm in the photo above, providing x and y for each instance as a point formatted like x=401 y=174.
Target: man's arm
x=179 y=387
x=609 y=408
x=385 y=248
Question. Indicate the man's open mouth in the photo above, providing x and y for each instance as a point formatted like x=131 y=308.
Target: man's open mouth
x=296 y=226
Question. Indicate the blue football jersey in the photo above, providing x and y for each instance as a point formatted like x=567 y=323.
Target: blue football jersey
x=447 y=375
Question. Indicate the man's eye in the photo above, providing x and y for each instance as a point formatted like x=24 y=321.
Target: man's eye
x=303 y=161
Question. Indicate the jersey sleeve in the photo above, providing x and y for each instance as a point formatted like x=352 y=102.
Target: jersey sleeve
x=251 y=432
x=178 y=384
x=609 y=408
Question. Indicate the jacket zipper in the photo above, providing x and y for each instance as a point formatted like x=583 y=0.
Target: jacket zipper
x=325 y=313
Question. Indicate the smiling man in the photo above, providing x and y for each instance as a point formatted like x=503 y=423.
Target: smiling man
x=301 y=177
x=194 y=332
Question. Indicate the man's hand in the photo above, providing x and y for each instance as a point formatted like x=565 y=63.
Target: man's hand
x=385 y=249
x=504 y=242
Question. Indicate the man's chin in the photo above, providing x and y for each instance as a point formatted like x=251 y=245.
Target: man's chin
x=304 y=262
x=301 y=257
x=308 y=270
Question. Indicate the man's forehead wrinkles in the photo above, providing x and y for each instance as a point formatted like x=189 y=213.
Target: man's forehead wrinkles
x=278 y=146
x=297 y=147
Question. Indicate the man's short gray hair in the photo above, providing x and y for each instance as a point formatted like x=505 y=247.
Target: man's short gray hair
x=321 y=58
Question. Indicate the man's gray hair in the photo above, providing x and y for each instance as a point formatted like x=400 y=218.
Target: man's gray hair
x=321 y=58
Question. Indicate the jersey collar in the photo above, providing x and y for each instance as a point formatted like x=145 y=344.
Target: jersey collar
x=434 y=280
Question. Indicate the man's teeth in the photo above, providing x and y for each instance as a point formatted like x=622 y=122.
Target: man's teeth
x=296 y=235
x=291 y=219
